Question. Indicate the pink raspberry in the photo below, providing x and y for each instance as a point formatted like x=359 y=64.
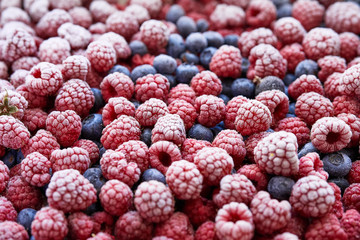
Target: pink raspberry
x=185 y=110
x=117 y=85
x=66 y=5
x=152 y=86
x=103 y=222
x=35 y=169
x=354 y=124
x=150 y=111
x=252 y=117
x=13 y=230
x=34 y=100
x=309 y=13
x=6 y=85
x=44 y=79
x=182 y=92
x=349 y=83
x=122 y=23
x=37 y=9
x=154 y=34
x=4 y=176
x=312 y=106
x=349 y=43
x=206 y=83
x=120 y=130
x=70 y=158
x=310 y=164
x=69 y=191
x=42 y=142
x=15 y=170
x=343 y=17
x=49 y=223
x=90 y=147
x=312 y=196
x=162 y=154
x=255 y=175
x=226 y=62
x=304 y=84
x=4 y=70
x=148 y=207
x=51 y=21
x=177 y=227
x=7 y=211
x=80 y=226
x=132 y=226
x=81 y=16
x=17 y=78
x=354 y=174
x=350 y=223
x=140 y=12
x=289 y=30
x=200 y=210
x=331 y=85
x=65 y=126
x=251 y=142
x=191 y=146
x=19 y=44
x=227 y=16
x=116 y=197
x=14 y=14
x=330 y=64
x=13 y=104
x=54 y=50
x=210 y=109
x=13 y=133
x=330 y=134
x=206 y=231
x=114 y=165
x=77 y=36
x=25 y=63
x=101 y=235
x=338 y=208
x=351 y=197
x=119 y=43
x=169 y=128
x=234 y=221
x=293 y=54
x=137 y=152
x=101 y=10
x=296 y=126
x=231 y=110
x=286 y=236
x=327 y=227
x=153 y=6
x=101 y=55
x=116 y=107
x=346 y=104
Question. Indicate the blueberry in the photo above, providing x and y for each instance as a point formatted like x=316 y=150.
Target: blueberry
x=201 y=132
x=185 y=72
x=164 y=64
x=289 y=78
x=95 y=177
x=10 y=158
x=153 y=174
x=214 y=39
x=279 y=3
x=225 y=98
x=186 y=25
x=95 y=207
x=308 y=67
x=218 y=128
x=226 y=86
x=269 y=83
x=244 y=67
x=307 y=148
x=289 y=115
x=25 y=218
x=146 y=136
x=351 y=152
x=176 y=45
x=92 y=127
x=138 y=47
x=202 y=25
x=102 y=150
x=337 y=164
x=174 y=13
x=141 y=71
x=189 y=58
x=292 y=108
x=171 y=79
x=99 y=100
x=19 y=156
x=280 y=187
x=196 y=42
x=206 y=55
x=284 y=11
x=136 y=103
x=120 y=69
x=342 y=183
x=270 y=130
x=244 y=87
x=231 y=40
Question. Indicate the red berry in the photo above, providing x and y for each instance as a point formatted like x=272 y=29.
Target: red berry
x=348 y=45
x=210 y=109
x=354 y=174
x=296 y=126
x=154 y=34
x=206 y=231
x=12 y=103
x=150 y=111
x=304 y=84
x=101 y=235
x=327 y=227
x=77 y=36
x=343 y=17
x=226 y=62
x=43 y=142
x=34 y=100
x=101 y=55
x=4 y=176
x=103 y=222
x=51 y=21
x=90 y=147
x=185 y=110
x=182 y=92
x=227 y=16
x=81 y=16
x=19 y=44
x=116 y=107
x=132 y=226
x=191 y=146
x=25 y=63
x=331 y=85
x=117 y=85
x=251 y=142
x=35 y=169
x=351 y=197
x=34 y=119
x=137 y=152
x=177 y=227
x=206 y=83
x=76 y=66
x=13 y=230
x=54 y=50
x=140 y=12
x=200 y=210
x=231 y=110
x=289 y=30
x=354 y=124
x=14 y=14
x=162 y=154
x=80 y=226
x=329 y=65
x=70 y=158
x=7 y=211
x=346 y=104
x=255 y=175
x=350 y=223
x=122 y=23
x=260 y=13
x=13 y=133
x=152 y=86
x=337 y=208
x=310 y=164
x=349 y=83
x=153 y=6
x=169 y=128
x=309 y=13
x=101 y=10
x=293 y=54
x=119 y=43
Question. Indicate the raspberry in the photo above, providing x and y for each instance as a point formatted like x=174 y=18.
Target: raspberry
x=177 y=227
x=116 y=197
x=231 y=110
x=169 y=128
x=122 y=23
x=162 y=154
x=54 y=50
x=90 y=147
x=42 y=142
x=206 y=231
x=103 y=222
x=309 y=13
x=354 y=124
x=154 y=34
x=343 y=17
x=12 y=103
x=114 y=165
x=49 y=223
x=101 y=55
x=65 y=126
x=101 y=235
x=44 y=79
x=265 y=60
x=25 y=63
x=15 y=170
x=234 y=221
x=312 y=196
x=51 y=21
x=327 y=227
x=140 y=12
x=81 y=16
x=14 y=14
x=304 y=84
x=252 y=117
x=4 y=176
x=101 y=10
x=293 y=54
x=19 y=44
x=7 y=211
x=210 y=109
x=349 y=83
x=6 y=85
x=150 y=111
x=227 y=16
x=354 y=174
x=94 y=79
x=348 y=45
x=350 y=223
x=252 y=141
x=329 y=65
x=13 y=230
x=255 y=175
x=206 y=83
x=70 y=158
x=213 y=163
x=185 y=110
x=351 y=197
x=330 y=134
x=289 y=30
x=346 y=104
x=77 y=36
x=117 y=85
x=116 y=107
x=182 y=92
x=312 y=106
x=260 y=13
x=296 y=126
x=37 y=9
x=119 y=43
x=17 y=78
x=132 y=226
x=120 y=130
x=190 y=147
x=200 y=210
x=61 y=193
x=137 y=152
x=310 y=164
x=286 y=236
x=226 y=62
x=152 y=86
x=152 y=6
x=80 y=226
x=331 y=85
x=13 y=133
x=148 y=195
x=35 y=169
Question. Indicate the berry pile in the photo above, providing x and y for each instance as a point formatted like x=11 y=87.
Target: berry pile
x=179 y=119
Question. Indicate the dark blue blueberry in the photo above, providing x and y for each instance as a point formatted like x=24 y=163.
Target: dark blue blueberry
x=286 y=91
x=280 y=187
x=225 y=98
x=95 y=207
x=307 y=148
x=206 y=55
x=164 y=64
x=176 y=45
x=99 y=100
x=98 y=144
x=284 y=11
x=120 y=69
x=202 y=25
x=270 y=130
x=19 y=156
x=185 y=72
x=218 y=128
x=146 y=136
x=136 y=103
x=10 y=158
x=196 y=42
x=244 y=67
x=153 y=174
x=141 y=71
x=92 y=127
x=342 y=183
x=279 y=3
x=189 y=58
x=226 y=86
x=171 y=79
x=351 y=152
x=269 y=83
x=308 y=67
x=138 y=47
x=174 y=13
x=289 y=78
x=102 y=150
x=95 y=177
x=214 y=39
x=186 y=25
x=32 y=238
x=288 y=115
x=337 y=164
x=244 y=87
x=25 y=218
x=201 y=132
x=231 y=40
x=292 y=108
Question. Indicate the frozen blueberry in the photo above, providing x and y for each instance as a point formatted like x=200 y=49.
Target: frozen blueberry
x=185 y=26
x=244 y=87
x=284 y=11
x=201 y=132
x=189 y=58
x=185 y=72
x=95 y=207
x=136 y=103
x=206 y=55
x=226 y=86
x=244 y=67
x=270 y=130
x=92 y=127
x=141 y=71
x=279 y=3
x=351 y=152
x=218 y=128
x=25 y=218
x=337 y=164
x=342 y=183
x=289 y=78
x=99 y=100
x=95 y=177
x=292 y=108
x=164 y=64
x=196 y=42
x=225 y=98
x=138 y=47
x=214 y=39
x=174 y=13
x=269 y=83
x=231 y=40
x=102 y=150
x=308 y=67
x=280 y=187
x=171 y=79
x=146 y=136
x=202 y=25
x=288 y=115
x=307 y=148
x=176 y=45
x=11 y=158
x=153 y=174
x=120 y=69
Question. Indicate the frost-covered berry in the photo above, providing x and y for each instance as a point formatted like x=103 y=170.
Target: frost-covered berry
x=162 y=154
x=348 y=45
x=25 y=63
x=255 y=175
x=140 y=12
x=35 y=169
x=330 y=64
x=354 y=123
x=13 y=230
x=150 y=111
x=103 y=221
x=132 y=226
x=260 y=13
x=152 y=86
x=70 y=158
x=155 y=34
x=305 y=83
x=19 y=44
x=34 y=119
x=210 y=109
x=169 y=128
x=117 y=85
x=231 y=110
x=54 y=50
x=226 y=62
x=185 y=110
x=182 y=92
x=350 y=79
x=51 y=21
x=90 y=147
x=206 y=83
x=77 y=36
x=191 y=146
x=13 y=133
x=7 y=211
x=177 y=226
x=101 y=10
x=137 y=152
x=294 y=54
x=119 y=43
x=310 y=164
x=343 y=17
x=346 y=104
x=123 y=23
x=350 y=223
x=296 y=126
x=227 y=16
x=12 y=103
x=4 y=176
x=289 y=30
x=116 y=107
x=80 y=225
x=153 y=6
x=81 y=16
x=309 y=13
x=42 y=142
x=101 y=55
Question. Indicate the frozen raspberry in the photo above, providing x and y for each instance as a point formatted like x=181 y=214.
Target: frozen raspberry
x=338 y=208
x=9 y=27
x=116 y=197
x=148 y=195
x=350 y=223
x=90 y=147
x=182 y=92
x=66 y=4
x=293 y=54
x=119 y=44
x=103 y=222
x=13 y=230
x=226 y=62
x=101 y=55
x=4 y=176
x=310 y=164
x=312 y=196
x=351 y=197
x=120 y=130
x=77 y=36
x=81 y=16
x=153 y=6
x=296 y=225
x=80 y=226
x=25 y=63
x=69 y=191
x=65 y=126
x=16 y=3
x=354 y=174
x=346 y=104
x=49 y=223
x=17 y=78
x=260 y=13
x=343 y=17
x=140 y=12
x=206 y=83
x=309 y=13
x=37 y=9
x=169 y=128
x=327 y=227
x=137 y=152
x=14 y=14
x=94 y=79
x=162 y=154
x=354 y=124
x=70 y=158
x=286 y=236
x=349 y=83
x=7 y=211
x=122 y=23
x=303 y=84
x=348 y=45
x=210 y=109
x=12 y=103
x=101 y=235
x=152 y=86
x=15 y=170
x=331 y=86
x=206 y=231
x=101 y=10
x=116 y=107
x=35 y=169
x=289 y=30
x=42 y=142
x=227 y=16
x=150 y=111
x=19 y=44
x=185 y=110
x=117 y=85
x=132 y=226
x=154 y=34
x=231 y=110
x=255 y=175
x=251 y=142
x=234 y=221
x=114 y=165
x=329 y=65
x=76 y=67
x=296 y=126
x=51 y=21
x=191 y=146
x=177 y=227
x=200 y=210
x=13 y=133
x=6 y=85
